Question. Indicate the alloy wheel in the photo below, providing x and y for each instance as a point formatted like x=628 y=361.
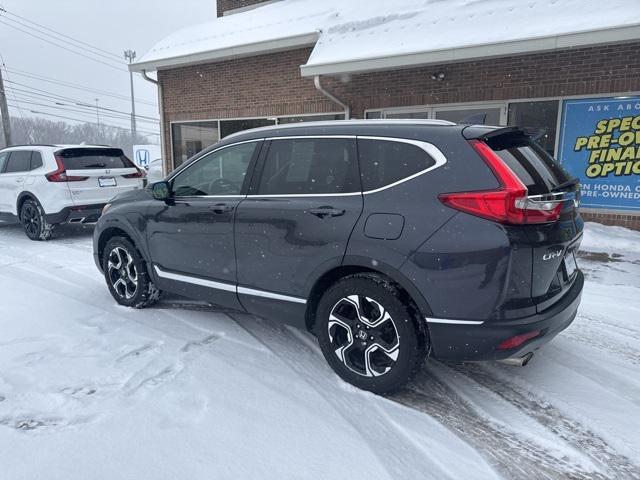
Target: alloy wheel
x=122 y=273
x=363 y=336
x=31 y=219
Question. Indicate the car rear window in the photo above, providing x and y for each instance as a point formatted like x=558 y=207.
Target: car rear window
x=94 y=158
x=538 y=170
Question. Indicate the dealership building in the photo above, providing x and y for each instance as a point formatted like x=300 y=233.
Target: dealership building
x=566 y=70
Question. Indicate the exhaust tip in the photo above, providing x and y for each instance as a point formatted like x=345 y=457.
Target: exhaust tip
x=518 y=361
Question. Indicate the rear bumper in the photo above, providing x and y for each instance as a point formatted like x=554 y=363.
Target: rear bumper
x=76 y=214
x=451 y=341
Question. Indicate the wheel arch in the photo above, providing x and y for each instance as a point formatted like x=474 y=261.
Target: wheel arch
x=353 y=265
x=118 y=229
x=23 y=197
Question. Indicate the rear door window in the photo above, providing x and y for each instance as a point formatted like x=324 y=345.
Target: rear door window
x=535 y=168
x=19 y=161
x=94 y=158
x=384 y=162
x=309 y=166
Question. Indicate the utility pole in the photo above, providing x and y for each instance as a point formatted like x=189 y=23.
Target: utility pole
x=4 y=113
x=130 y=56
x=97 y=111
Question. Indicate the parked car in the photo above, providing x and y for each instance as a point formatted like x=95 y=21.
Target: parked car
x=45 y=185
x=390 y=240
x=155 y=172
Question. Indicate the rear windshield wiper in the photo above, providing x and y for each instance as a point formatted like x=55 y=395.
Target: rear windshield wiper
x=565 y=185
x=96 y=165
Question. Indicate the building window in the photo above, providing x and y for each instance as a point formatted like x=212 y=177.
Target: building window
x=310 y=118
x=228 y=127
x=191 y=138
x=539 y=119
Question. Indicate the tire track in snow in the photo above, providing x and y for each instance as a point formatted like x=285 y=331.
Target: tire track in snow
x=511 y=455
x=399 y=455
x=569 y=430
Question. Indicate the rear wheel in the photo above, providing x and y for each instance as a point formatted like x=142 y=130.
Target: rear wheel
x=126 y=274
x=34 y=221
x=370 y=334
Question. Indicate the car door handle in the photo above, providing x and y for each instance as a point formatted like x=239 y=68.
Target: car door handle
x=221 y=208
x=19 y=180
x=325 y=212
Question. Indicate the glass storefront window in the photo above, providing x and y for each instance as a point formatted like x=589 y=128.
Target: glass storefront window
x=191 y=138
x=489 y=115
x=227 y=127
x=539 y=119
x=310 y=118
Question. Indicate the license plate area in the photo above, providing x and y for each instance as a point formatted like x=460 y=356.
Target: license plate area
x=570 y=264
x=107 y=182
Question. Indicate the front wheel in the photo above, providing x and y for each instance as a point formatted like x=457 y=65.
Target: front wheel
x=370 y=333
x=126 y=274
x=34 y=221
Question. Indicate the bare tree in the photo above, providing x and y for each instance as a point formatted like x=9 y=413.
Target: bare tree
x=39 y=130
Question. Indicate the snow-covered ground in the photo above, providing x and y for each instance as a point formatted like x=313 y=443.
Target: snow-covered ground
x=90 y=390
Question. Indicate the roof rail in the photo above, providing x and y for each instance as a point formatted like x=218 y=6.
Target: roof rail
x=29 y=145
x=346 y=123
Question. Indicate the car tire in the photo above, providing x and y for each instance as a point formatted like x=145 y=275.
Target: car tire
x=370 y=333
x=34 y=221
x=126 y=274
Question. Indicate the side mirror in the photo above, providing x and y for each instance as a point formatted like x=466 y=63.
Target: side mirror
x=161 y=190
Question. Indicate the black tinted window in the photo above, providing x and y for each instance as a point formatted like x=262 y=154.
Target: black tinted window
x=36 y=160
x=219 y=173
x=3 y=158
x=19 y=161
x=384 y=162
x=539 y=172
x=310 y=166
x=90 y=158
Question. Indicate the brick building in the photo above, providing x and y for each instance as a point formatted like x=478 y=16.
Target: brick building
x=279 y=61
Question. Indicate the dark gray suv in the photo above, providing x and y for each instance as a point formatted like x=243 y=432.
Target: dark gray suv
x=389 y=240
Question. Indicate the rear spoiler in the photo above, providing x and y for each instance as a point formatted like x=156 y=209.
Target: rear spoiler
x=483 y=132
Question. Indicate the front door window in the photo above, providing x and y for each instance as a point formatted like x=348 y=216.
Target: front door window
x=221 y=172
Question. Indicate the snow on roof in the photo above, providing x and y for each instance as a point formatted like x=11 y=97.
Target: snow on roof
x=365 y=35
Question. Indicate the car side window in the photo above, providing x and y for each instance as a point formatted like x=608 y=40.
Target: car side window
x=221 y=172
x=36 y=160
x=19 y=161
x=383 y=162
x=3 y=159
x=310 y=166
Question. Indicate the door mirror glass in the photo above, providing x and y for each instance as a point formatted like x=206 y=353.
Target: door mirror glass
x=161 y=190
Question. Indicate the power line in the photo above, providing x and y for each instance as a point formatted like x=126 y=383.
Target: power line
x=43 y=78
x=4 y=10
x=45 y=93
x=84 y=109
x=59 y=106
x=14 y=96
x=62 y=46
x=81 y=120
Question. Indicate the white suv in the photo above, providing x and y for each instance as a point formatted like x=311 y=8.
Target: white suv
x=45 y=185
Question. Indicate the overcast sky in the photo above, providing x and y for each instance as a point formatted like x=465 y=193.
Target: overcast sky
x=111 y=25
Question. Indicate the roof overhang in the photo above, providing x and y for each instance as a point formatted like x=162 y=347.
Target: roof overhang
x=472 y=52
x=237 y=51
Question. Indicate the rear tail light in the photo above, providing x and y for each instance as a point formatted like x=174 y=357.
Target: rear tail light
x=60 y=174
x=139 y=174
x=518 y=340
x=508 y=204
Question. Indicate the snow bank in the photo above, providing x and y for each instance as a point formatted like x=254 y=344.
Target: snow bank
x=602 y=238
